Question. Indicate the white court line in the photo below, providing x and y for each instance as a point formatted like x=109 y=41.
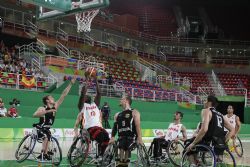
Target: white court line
x=45 y=165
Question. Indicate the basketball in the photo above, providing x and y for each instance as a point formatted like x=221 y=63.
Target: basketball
x=90 y=72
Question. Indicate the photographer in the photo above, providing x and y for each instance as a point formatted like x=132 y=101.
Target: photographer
x=105 y=115
x=12 y=112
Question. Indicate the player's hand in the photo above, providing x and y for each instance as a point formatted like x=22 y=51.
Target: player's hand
x=112 y=140
x=73 y=80
x=234 y=136
x=176 y=139
x=52 y=110
x=190 y=147
x=139 y=141
x=76 y=133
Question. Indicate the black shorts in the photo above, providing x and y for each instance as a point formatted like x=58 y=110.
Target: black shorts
x=99 y=134
x=44 y=133
x=124 y=142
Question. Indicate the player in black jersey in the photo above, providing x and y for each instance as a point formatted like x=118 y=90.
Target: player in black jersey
x=127 y=123
x=212 y=128
x=46 y=115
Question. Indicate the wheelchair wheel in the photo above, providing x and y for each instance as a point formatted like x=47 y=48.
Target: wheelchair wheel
x=78 y=151
x=142 y=154
x=227 y=159
x=238 y=146
x=174 y=151
x=109 y=155
x=55 y=152
x=25 y=148
x=203 y=156
x=150 y=150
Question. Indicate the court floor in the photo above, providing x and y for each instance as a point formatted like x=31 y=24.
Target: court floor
x=7 y=155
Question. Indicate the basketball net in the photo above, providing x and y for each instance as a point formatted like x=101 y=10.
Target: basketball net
x=84 y=20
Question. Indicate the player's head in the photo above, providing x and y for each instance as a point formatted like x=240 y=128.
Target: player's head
x=178 y=115
x=48 y=100
x=125 y=101
x=212 y=101
x=87 y=99
x=230 y=109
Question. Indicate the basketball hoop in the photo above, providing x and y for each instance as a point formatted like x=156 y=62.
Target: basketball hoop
x=84 y=19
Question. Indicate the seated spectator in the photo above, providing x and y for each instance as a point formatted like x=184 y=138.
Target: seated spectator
x=13 y=112
x=3 y=110
x=7 y=57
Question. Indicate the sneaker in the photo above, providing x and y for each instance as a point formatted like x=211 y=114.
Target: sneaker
x=47 y=157
x=40 y=157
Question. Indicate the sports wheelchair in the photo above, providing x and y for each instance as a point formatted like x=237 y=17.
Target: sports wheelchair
x=235 y=146
x=83 y=150
x=29 y=145
x=172 y=152
x=205 y=156
x=111 y=155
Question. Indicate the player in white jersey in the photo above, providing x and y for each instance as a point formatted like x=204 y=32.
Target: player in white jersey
x=90 y=117
x=173 y=133
x=233 y=119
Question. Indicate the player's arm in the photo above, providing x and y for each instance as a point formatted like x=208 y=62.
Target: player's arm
x=204 y=126
x=197 y=129
x=229 y=128
x=136 y=117
x=82 y=96
x=238 y=125
x=98 y=93
x=65 y=92
x=184 y=134
x=41 y=112
x=77 y=123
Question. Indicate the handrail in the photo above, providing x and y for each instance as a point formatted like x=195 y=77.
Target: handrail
x=156 y=66
x=63 y=49
x=62 y=34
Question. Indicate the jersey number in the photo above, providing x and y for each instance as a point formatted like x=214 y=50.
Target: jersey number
x=92 y=113
x=219 y=121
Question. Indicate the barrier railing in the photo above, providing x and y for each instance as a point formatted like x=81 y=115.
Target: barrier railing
x=147 y=73
x=62 y=34
x=20 y=81
x=63 y=50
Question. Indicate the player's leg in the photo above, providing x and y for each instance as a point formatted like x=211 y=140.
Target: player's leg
x=102 y=137
x=46 y=143
x=157 y=152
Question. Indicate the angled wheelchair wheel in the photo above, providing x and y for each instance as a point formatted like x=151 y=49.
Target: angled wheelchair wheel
x=201 y=155
x=143 y=156
x=174 y=151
x=238 y=146
x=109 y=155
x=150 y=150
x=55 y=152
x=25 y=148
x=226 y=160
x=78 y=151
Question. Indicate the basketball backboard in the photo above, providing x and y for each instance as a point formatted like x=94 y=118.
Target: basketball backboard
x=61 y=8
